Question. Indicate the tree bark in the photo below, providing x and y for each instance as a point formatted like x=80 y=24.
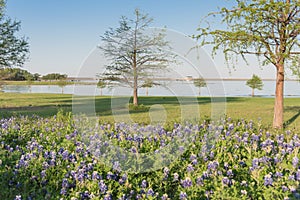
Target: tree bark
x=135 y=96
x=278 y=107
x=135 y=80
x=252 y=92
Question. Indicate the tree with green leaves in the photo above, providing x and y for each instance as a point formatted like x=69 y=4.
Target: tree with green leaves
x=62 y=83
x=54 y=76
x=135 y=54
x=13 y=49
x=199 y=83
x=268 y=29
x=101 y=84
x=148 y=83
x=255 y=83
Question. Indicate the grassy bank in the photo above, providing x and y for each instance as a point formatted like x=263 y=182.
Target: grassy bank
x=167 y=107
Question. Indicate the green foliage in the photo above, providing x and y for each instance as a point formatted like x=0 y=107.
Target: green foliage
x=101 y=84
x=263 y=28
x=13 y=50
x=54 y=76
x=255 y=82
x=267 y=29
x=140 y=107
x=199 y=82
x=17 y=74
x=48 y=158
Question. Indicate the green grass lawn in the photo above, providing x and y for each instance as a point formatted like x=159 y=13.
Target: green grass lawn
x=53 y=82
x=167 y=108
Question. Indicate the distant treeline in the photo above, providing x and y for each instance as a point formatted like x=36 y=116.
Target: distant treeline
x=17 y=74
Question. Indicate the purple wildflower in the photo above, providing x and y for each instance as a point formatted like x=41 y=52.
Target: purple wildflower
x=18 y=197
x=187 y=182
x=102 y=186
x=150 y=192
x=295 y=161
x=268 y=180
x=183 y=196
x=176 y=176
x=164 y=197
x=226 y=181
x=144 y=184
x=189 y=168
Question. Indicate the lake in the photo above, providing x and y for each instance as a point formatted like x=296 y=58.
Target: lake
x=171 y=88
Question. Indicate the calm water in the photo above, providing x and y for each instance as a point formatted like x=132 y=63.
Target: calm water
x=174 y=88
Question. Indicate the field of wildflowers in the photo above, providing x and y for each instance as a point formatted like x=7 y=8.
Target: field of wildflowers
x=47 y=158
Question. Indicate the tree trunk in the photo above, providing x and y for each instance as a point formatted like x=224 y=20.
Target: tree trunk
x=147 y=92
x=135 y=96
x=199 y=91
x=252 y=92
x=278 y=107
x=135 y=80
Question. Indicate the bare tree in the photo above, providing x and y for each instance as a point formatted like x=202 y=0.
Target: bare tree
x=134 y=54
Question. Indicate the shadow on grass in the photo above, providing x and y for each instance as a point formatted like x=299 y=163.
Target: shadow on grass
x=292 y=119
x=103 y=104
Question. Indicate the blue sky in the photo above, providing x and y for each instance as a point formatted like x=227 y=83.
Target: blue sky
x=62 y=33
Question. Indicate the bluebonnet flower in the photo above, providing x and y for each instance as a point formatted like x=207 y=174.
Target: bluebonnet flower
x=65 y=183
x=85 y=195
x=133 y=150
x=189 y=168
x=199 y=181
x=63 y=191
x=229 y=173
x=187 y=182
x=205 y=175
x=254 y=138
x=255 y=163
x=150 y=192
x=183 y=196
x=192 y=157
x=278 y=174
x=226 y=181
x=195 y=162
x=43 y=173
x=18 y=197
x=166 y=171
x=110 y=176
x=176 y=176
x=181 y=149
x=226 y=165
x=144 y=184
x=298 y=175
x=102 y=186
x=212 y=165
x=284 y=188
x=116 y=166
x=107 y=197
x=291 y=177
x=65 y=154
x=292 y=189
x=295 y=161
x=212 y=154
x=268 y=180
x=164 y=197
